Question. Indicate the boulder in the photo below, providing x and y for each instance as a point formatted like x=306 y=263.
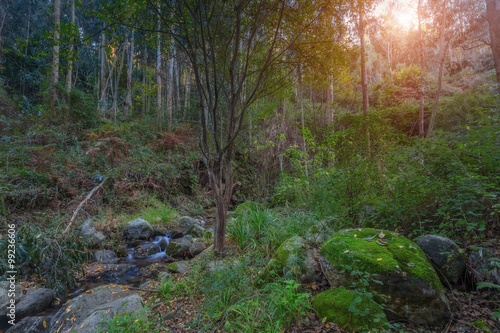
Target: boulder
x=28 y=324
x=86 y=312
x=196 y=248
x=34 y=302
x=297 y=259
x=196 y=231
x=178 y=248
x=396 y=269
x=186 y=222
x=138 y=229
x=178 y=267
x=5 y=298
x=349 y=309
x=111 y=273
x=88 y=232
x=445 y=256
x=146 y=249
x=485 y=264
x=106 y=257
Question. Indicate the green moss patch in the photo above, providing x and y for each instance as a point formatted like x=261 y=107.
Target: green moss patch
x=173 y=267
x=379 y=252
x=349 y=309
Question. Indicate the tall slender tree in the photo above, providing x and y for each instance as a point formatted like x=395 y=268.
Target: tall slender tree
x=54 y=80
x=493 y=14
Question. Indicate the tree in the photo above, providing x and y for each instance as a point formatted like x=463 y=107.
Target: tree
x=493 y=10
x=55 y=57
x=421 y=129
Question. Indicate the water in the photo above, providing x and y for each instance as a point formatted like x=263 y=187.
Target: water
x=160 y=241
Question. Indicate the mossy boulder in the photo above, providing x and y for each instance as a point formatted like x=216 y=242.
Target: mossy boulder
x=409 y=285
x=269 y=273
x=349 y=309
x=297 y=258
x=178 y=248
x=173 y=267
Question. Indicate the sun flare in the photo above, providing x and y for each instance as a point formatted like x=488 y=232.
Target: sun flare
x=406 y=19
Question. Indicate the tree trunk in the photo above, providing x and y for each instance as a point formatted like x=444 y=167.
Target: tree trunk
x=103 y=81
x=442 y=54
x=2 y=24
x=144 y=76
x=364 y=84
x=422 y=71
x=170 y=88
x=493 y=14
x=54 y=80
x=187 y=94
x=69 y=72
x=130 y=64
x=159 y=110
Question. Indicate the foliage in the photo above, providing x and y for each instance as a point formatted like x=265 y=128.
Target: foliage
x=48 y=255
x=137 y=322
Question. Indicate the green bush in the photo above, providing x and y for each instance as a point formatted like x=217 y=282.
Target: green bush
x=137 y=322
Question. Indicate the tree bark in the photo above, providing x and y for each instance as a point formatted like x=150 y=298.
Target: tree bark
x=159 y=110
x=103 y=81
x=187 y=93
x=493 y=14
x=130 y=67
x=421 y=130
x=170 y=87
x=69 y=72
x=54 y=80
x=442 y=54
x=364 y=84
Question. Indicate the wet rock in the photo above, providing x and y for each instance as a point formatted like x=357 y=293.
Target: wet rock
x=86 y=312
x=89 y=232
x=411 y=287
x=28 y=325
x=186 y=222
x=445 y=256
x=106 y=257
x=178 y=248
x=196 y=231
x=112 y=273
x=138 y=229
x=34 y=302
x=146 y=249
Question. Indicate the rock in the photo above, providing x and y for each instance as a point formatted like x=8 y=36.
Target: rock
x=319 y=233
x=163 y=276
x=34 y=302
x=146 y=285
x=169 y=316
x=178 y=267
x=196 y=248
x=89 y=232
x=186 y=222
x=28 y=324
x=178 y=248
x=409 y=283
x=146 y=249
x=445 y=256
x=5 y=298
x=270 y=273
x=335 y=305
x=106 y=257
x=485 y=264
x=112 y=273
x=138 y=229
x=196 y=231
x=297 y=259
x=86 y=312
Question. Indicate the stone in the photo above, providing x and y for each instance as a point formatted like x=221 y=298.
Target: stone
x=34 y=302
x=196 y=248
x=106 y=257
x=335 y=305
x=269 y=273
x=178 y=267
x=196 y=231
x=28 y=325
x=485 y=264
x=445 y=256
x=319 y=233
x=163 y=276
x=89 y=233
x=178 y=248
x=186 y=222
x=409 y=285
x=85 y=313
x=111 y=273
x=297 y=259
x=138 y=229
x=146 y=249
x=5 y=298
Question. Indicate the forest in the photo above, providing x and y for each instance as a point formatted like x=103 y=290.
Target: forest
x=249 y=166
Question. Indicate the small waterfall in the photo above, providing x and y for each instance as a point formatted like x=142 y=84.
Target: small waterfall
x=160 y=241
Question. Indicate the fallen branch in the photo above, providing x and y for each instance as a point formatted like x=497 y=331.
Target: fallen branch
x=75 y=213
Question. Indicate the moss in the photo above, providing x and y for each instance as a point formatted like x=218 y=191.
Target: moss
x=269 y=273
x=392 y=253
x=245 y=207
x=173 y=267
x=349 y=309
x=481 y=325
x=173 y=248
